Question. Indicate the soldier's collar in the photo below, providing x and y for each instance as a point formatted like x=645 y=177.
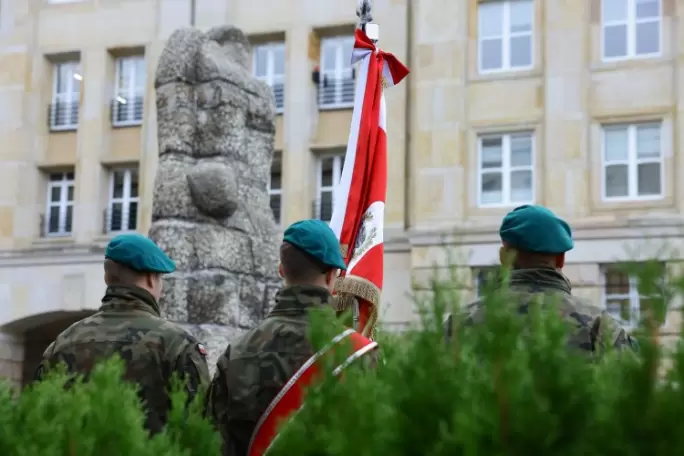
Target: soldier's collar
x=129 y=297
x=544 y=277
x=301 y=297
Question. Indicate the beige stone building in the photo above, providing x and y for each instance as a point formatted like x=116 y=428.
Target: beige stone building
x=572 y=104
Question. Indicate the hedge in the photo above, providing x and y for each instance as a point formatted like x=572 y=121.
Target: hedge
x=102 y=417
x=510 y=387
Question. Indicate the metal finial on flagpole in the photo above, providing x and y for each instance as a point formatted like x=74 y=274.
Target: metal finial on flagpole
x=363 y=11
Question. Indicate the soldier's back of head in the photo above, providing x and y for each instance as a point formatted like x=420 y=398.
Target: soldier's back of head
x=534 y=244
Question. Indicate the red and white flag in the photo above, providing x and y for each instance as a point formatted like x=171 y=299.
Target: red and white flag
x=359 y=200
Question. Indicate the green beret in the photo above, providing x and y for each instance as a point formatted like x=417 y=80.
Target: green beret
x=536 y=229
x=317 y=239
x=139 y=253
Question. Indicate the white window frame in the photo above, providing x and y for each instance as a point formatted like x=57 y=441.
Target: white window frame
x=338 y=74
x=478 y=271
x=338 y=160
x=632 y=163
x=633 y=296
x=271 y=77
x=126 y=199
x=631 y=23
x=506 y=36
x=134 y=91
x=63 y=204
x=277 y=191
x=69 y=97
x=506 y=169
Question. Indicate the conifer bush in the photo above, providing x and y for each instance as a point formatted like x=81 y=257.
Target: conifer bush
x=509 y=387
x=101 y=417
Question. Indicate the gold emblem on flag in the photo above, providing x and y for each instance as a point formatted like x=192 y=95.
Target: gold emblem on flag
x=384 y=82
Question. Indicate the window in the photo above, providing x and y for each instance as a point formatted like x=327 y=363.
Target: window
x=622 y=299
x=485 y=280
x=60 y=204
x=632 y=161
x=505 y=35
x=506 y=169
x=269 y=66
x=336 y=86
x=329 y=173
x=129 y=91
x=65 y=96
x=630 y=28
x=275 y=189
x=122 y=214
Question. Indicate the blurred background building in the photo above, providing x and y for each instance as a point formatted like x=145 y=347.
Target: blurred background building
x=575 y=105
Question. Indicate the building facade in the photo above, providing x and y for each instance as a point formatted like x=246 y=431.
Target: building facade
x=573 y=105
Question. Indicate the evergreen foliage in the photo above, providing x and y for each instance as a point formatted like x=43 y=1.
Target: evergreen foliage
x=510 y=387
x=101 y=417
x=506 y=388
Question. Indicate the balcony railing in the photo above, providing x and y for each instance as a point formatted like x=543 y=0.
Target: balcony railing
x=279 y=94
x=63 y=115
x=335 y=93
x=322 y=210
x=117 y=219
x=276 y=206
x=56 y=223
x=127 y=111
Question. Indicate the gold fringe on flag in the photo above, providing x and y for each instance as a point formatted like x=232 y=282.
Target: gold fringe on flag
x=350 y=287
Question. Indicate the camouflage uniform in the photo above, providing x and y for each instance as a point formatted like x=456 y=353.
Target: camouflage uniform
x=153 y=349
x=252 y=371
x=591 y=325
x=129 y=324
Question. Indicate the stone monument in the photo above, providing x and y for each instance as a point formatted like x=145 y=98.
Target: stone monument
x=211 y=209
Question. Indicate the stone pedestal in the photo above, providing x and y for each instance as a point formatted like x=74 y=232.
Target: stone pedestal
x=11 y=359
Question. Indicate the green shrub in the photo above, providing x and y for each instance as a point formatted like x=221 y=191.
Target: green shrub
x=500 y=389
x=506 y=388
x=101 y=417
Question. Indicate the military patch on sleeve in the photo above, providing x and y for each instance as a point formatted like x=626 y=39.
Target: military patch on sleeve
x=202 y=350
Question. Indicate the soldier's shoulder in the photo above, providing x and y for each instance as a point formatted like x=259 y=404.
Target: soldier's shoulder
x=177 y=339
x=86 y=328
x=273 y=335
x=579 y=310
x=583 y=306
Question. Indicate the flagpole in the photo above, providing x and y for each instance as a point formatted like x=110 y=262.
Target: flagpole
x=363 y=12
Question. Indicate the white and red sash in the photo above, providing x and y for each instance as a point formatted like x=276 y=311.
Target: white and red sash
x=291 y=397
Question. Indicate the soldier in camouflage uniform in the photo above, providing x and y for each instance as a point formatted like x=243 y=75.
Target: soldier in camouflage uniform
x=254 y=368
x=129 y=324
x=537 y=240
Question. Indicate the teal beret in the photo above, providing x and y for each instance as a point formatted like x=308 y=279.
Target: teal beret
x=139 y=253
x=536 y=229
x=317 y=239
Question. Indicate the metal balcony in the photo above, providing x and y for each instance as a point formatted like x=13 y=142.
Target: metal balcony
x=127 y=112
x=117 y=219
x=335 y=93
x=63 y=115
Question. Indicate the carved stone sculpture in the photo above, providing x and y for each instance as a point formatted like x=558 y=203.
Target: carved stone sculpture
x=211 y=209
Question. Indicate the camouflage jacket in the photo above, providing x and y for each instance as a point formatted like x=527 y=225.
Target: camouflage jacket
x=129 y=324
x=253 y=369
x=591 y=324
